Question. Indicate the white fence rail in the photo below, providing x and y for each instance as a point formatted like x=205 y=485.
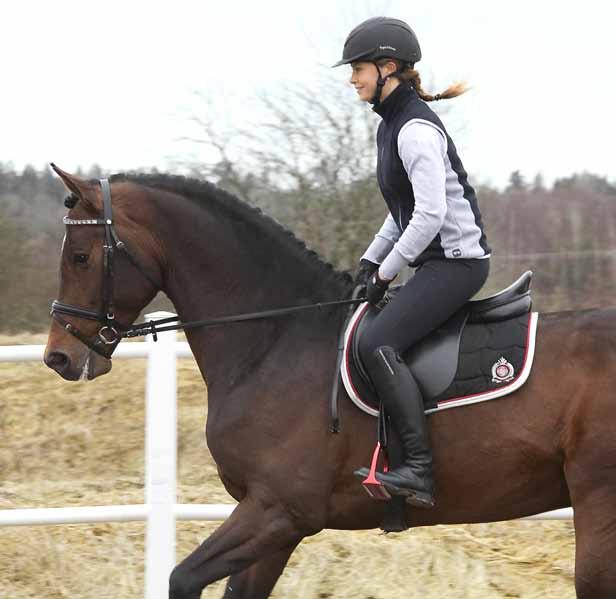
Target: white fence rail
x=160 y=510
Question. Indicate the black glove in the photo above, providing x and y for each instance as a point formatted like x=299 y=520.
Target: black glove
x=364 y=272
x=376 y=289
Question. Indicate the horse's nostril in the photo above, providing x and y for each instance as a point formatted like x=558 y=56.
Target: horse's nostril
x=57 y=360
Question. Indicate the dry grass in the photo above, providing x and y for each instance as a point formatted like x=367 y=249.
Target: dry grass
x=82 y=444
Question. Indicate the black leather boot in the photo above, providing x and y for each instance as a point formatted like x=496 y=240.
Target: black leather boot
x=397 y=389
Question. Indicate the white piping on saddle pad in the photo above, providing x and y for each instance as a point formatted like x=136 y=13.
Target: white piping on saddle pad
x=448 y=403
x=344 y=367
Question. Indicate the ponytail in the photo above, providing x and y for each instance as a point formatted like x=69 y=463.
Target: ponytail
x=407 y=74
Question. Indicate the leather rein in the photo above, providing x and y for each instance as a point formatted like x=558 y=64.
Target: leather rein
x=112 y=332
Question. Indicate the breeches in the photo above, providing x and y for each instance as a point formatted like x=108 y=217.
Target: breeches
x=437 y=290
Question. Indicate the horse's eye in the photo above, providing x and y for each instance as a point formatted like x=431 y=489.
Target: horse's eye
x=70 y=201
x=80 y=258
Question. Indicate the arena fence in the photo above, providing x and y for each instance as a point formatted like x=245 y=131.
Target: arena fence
x=160 y=510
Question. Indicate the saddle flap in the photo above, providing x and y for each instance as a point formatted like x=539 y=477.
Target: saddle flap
x=434 y=360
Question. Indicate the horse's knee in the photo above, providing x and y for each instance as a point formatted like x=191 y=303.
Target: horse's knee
x=181 y=586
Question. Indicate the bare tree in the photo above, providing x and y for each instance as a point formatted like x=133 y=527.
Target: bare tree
x=309 y=163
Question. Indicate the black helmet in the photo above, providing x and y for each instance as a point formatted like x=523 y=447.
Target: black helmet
x=381 y=37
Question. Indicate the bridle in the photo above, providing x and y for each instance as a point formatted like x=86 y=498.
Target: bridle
x=111 y=331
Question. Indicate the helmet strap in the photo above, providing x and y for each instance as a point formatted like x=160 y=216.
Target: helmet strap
x=380 y=83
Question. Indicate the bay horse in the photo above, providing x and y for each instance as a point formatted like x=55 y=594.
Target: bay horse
x=550 y=445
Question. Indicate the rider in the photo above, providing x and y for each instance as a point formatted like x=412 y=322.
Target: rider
x=433 y=225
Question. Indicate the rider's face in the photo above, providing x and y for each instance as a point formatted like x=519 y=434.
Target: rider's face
x=363 y=78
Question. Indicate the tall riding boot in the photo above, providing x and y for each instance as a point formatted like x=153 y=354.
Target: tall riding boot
x=397 y=389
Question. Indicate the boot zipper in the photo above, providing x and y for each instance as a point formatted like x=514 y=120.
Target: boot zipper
x=387 y=363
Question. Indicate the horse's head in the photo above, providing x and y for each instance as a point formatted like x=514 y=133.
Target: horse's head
x=110 y=269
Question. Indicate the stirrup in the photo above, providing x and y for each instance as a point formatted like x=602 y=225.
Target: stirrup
x=373 y=487
x=421 y=499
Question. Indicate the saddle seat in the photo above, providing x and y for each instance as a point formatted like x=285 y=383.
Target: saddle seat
x=457 y=358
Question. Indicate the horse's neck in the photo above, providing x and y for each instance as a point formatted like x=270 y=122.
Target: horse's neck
x=212 y=272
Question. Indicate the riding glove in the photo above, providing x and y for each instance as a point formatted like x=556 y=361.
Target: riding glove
x=376 y=289
x=364 y=272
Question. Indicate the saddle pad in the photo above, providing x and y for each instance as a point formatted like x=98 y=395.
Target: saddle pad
x=494 y=360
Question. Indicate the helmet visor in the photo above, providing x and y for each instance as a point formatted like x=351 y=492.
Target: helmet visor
x=348 y=60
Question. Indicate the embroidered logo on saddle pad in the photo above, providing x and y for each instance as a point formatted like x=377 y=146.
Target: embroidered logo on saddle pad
x=502 y=371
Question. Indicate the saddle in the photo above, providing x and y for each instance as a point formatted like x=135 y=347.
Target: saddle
x=484 y=351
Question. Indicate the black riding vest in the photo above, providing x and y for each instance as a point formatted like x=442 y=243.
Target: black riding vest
x=401 y=106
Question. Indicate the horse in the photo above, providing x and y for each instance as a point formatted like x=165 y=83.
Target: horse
x=550 y=445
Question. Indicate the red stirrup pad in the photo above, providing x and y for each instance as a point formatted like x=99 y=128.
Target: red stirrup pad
x=373 y=487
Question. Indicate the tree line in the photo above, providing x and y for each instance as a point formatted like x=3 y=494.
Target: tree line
x=565 y=233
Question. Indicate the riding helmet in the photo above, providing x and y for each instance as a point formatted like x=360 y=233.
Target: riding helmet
x=381 y=37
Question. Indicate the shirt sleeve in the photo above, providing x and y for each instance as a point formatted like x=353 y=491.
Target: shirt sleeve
x=383 y=241
x=422 y=147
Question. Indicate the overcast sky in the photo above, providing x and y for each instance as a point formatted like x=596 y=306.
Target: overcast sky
x=112 y=82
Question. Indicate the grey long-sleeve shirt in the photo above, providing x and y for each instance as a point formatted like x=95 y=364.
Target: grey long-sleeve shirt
x=433 y=214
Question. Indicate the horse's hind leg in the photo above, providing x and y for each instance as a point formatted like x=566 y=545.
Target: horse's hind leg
x=590 y=470
x=595 y=544
x=255 y=531
x=258 y=581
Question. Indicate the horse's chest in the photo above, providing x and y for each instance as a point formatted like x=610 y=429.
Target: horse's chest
x=232 y=439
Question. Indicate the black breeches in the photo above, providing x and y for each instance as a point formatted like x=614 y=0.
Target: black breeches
x=437 y=290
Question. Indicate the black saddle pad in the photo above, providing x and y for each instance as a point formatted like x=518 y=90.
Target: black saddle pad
x=464 y=361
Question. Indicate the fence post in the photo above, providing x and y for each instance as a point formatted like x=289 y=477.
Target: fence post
x=160 y=461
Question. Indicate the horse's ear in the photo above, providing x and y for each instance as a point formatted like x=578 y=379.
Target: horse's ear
x=80 y=188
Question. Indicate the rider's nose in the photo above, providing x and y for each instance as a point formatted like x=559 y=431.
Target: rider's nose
x=58 y=361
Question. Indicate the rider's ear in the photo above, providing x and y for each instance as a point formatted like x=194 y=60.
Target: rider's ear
x=82 y=189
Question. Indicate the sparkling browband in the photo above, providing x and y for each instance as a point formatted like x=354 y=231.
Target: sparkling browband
x=89 y=221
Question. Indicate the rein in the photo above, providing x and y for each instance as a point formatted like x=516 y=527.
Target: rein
x=153 y=326
x=112 y=332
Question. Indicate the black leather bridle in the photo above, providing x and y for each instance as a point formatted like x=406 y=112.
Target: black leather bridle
x=111 y=331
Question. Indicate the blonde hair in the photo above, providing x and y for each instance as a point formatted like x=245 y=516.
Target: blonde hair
x=406 y=73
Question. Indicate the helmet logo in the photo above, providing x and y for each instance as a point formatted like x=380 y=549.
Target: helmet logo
x=388 y=48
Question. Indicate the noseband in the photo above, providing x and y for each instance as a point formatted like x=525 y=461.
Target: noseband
x=110 y=333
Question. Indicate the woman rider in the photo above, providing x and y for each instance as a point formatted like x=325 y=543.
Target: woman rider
x=433 y=225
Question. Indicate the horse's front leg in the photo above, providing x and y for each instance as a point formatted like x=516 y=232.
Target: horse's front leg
x=257 y=581
x=256 y=531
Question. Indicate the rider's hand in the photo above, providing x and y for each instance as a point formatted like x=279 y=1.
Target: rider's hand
x=376 y=288
x=364 y=272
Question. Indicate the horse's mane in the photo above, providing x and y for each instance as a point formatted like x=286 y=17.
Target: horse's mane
x=208 y=195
